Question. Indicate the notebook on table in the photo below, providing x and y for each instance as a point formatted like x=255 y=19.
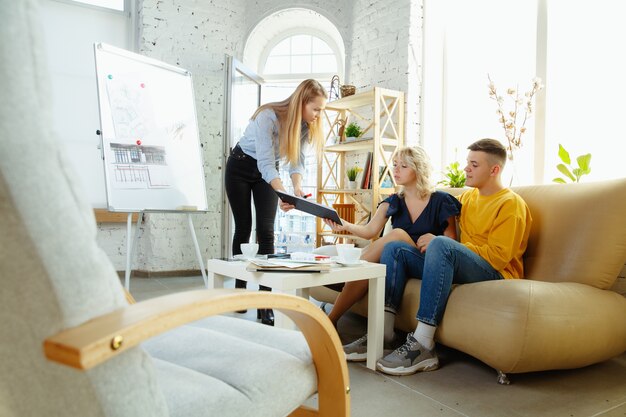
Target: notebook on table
x=284 y=265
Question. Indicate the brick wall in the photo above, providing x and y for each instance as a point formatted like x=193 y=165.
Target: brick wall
x=196 y=36
x=387 y=51
x=382 y=48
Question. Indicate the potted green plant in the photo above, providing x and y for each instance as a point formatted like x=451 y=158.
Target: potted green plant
x=454 y=176
x=352 y=173
x=574 y=174
x=352 y=131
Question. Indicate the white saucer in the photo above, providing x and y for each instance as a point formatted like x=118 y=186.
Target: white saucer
x=357 y=263
x=241 y=257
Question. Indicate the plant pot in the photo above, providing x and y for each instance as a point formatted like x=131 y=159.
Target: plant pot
x=347 y=90
x=352 y=185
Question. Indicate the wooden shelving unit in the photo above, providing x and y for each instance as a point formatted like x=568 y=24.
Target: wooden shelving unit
x=380 y=113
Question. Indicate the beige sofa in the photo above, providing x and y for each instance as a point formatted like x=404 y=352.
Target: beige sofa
x=564 y=314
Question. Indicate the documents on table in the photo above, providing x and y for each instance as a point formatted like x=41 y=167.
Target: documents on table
x=287 y=265
x=307 y=257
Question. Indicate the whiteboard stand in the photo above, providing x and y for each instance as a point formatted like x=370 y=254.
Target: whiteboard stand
x=131 y=249
x=150 y=140
x=198 y=254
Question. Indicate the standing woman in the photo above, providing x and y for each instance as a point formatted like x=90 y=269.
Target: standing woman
x=277 y=132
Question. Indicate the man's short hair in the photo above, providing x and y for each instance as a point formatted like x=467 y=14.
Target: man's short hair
x=494 y=148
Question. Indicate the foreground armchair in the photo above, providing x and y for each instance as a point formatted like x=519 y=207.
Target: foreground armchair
x=101 y=339
x=62 y=303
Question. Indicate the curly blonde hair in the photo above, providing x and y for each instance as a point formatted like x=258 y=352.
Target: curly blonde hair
x=416 y=158
x=289 y=113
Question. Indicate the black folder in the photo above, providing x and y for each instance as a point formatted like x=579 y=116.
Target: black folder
x=310 y=207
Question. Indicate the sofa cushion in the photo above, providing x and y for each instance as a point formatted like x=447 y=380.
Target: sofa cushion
x=578 y=232
x=525 y=325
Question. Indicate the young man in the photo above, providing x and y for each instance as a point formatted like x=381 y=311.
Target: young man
x=494 y=223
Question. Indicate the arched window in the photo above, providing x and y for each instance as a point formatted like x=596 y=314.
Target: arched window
x=300 y=55
x=295 y=44
x=287 y=61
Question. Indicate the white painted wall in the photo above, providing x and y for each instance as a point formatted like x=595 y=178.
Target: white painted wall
x=69 y=32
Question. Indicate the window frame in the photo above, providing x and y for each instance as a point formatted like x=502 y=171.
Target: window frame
x=433 y=135
x=126 y=8
x=290 y=77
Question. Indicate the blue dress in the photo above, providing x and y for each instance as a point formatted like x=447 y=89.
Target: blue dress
x=434 y=218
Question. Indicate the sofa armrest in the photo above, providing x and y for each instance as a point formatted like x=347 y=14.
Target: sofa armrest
x=104 y=337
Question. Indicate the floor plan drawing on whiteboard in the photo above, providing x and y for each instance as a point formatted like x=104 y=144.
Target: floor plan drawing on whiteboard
x=136 y=166
x=139 y=158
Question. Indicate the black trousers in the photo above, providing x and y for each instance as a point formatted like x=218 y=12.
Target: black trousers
x=243 y=183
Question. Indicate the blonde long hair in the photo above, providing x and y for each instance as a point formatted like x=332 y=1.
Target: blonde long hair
x=289 y=113
x=417 y=159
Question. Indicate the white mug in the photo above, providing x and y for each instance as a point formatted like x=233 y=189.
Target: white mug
x=249 y=250
x=349 y=255
x=340 y=247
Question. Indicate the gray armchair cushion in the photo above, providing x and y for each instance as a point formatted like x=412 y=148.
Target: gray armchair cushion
x=253 y=370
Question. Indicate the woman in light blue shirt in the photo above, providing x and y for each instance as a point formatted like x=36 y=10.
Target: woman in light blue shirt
x=277 y=133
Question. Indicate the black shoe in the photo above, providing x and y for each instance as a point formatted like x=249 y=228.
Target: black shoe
x=266 y=316
x=241 y=285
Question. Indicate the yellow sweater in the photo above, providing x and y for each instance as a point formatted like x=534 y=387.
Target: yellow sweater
x=496 y=227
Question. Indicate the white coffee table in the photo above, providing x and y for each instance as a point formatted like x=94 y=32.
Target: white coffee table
x=298 y=283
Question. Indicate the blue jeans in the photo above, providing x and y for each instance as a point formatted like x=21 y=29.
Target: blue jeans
x=445 y=262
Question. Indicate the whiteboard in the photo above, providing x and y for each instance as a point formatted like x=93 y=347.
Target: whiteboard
x=149 y=131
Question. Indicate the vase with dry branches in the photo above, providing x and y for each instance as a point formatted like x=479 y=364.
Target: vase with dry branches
x=514 y=110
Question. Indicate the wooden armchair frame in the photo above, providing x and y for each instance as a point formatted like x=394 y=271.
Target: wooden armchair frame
x=104 y=337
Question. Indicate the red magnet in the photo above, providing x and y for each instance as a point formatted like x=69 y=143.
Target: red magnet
x=138 y=141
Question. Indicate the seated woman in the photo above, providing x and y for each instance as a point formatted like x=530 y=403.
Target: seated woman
x=415 y=211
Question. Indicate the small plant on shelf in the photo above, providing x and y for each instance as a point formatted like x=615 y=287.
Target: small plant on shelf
x=574 y=174
x=353 y=130
x=353 y=172
x=454 y=176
